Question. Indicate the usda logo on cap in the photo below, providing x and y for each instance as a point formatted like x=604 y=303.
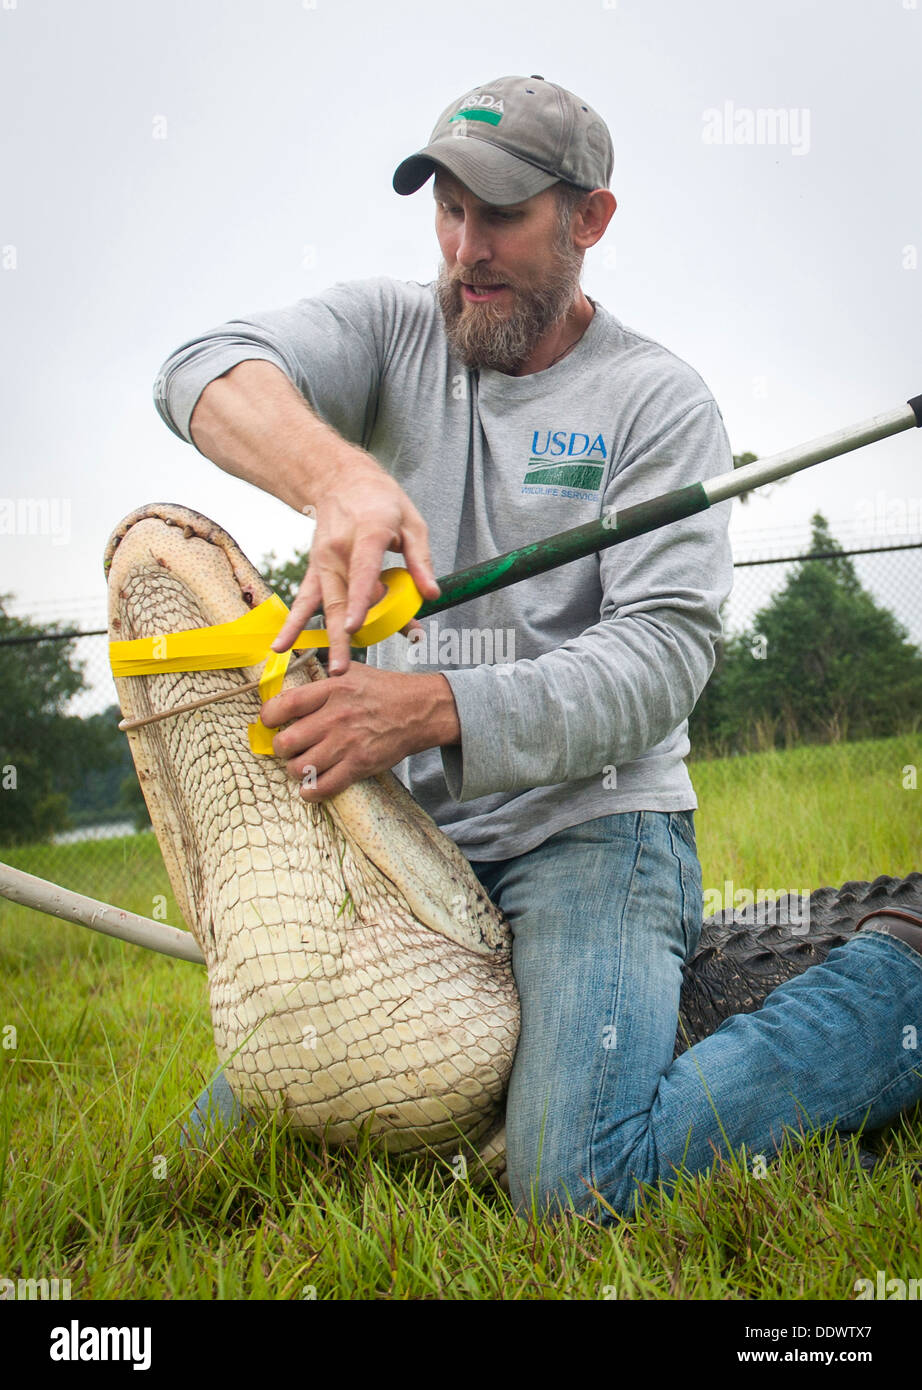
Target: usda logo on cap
x=480 y=106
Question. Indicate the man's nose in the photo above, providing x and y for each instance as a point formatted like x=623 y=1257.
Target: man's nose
x=473 y=244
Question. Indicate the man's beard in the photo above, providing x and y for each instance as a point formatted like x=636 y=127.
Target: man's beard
x=485 y=335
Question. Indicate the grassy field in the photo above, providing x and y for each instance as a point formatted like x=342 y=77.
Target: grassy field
x=112 y=1043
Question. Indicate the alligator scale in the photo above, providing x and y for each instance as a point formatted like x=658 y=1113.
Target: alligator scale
x=358 y=971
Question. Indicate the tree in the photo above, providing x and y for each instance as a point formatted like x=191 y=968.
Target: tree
x=108 y=785
x=821 y=661
x=285 y=579
x=55 y=768
x=36 y=739
x=739 y=461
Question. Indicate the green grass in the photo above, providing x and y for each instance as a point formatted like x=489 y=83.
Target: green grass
x=112 y=1044
x=810 y=816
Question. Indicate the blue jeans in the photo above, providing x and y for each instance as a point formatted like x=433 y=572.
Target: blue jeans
x=603 y=916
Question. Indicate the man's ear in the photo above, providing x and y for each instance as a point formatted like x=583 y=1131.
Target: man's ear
x=591 y=217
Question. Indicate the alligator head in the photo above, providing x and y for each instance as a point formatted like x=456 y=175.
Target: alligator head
x=358 y=971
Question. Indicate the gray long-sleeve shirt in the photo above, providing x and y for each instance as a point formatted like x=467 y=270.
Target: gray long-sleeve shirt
x=573 y=688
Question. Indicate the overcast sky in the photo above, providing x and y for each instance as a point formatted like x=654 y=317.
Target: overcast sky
x=169 y=164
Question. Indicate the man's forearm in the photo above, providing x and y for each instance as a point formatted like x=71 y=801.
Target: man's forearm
x=255 y=424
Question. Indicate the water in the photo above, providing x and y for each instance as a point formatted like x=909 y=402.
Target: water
x=109 y=831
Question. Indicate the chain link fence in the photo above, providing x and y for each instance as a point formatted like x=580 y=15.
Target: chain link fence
x=820 y=647
x=106 y=848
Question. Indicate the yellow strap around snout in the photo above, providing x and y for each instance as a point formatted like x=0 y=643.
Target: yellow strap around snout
x=247 y=641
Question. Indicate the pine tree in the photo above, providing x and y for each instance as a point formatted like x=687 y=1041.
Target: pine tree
x=821 y=661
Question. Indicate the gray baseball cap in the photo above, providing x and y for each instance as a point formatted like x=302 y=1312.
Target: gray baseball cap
x=512 y=138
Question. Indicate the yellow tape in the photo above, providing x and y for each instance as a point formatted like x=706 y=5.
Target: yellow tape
x=247 y=641
x=270 y=683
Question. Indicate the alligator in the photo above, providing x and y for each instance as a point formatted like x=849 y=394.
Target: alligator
x=359 y=974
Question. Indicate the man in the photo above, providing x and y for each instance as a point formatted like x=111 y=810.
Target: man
x=496 y=406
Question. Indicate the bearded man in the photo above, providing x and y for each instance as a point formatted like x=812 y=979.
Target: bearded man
x=457 y=420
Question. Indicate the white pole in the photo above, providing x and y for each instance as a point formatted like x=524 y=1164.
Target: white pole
x=30 y=891
x=828 y=446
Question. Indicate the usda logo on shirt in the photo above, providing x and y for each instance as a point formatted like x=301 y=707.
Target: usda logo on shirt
x=565 y=463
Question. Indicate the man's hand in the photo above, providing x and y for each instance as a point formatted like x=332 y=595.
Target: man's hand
x=361 y=513
x=364 y=722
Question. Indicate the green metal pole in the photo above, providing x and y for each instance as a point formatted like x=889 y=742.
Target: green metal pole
x=547 y=554
x=623 y=525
